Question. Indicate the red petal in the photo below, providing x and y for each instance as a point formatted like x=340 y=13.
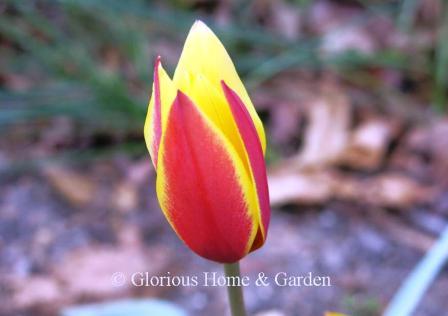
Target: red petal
x=157 y=113
x=199 y=188
x=254 y=150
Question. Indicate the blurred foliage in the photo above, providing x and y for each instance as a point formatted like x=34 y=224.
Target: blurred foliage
x=441 y=64
x=364 y=307
x=91 y=60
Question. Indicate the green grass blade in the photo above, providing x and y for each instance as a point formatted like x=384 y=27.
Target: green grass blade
x=441 y=63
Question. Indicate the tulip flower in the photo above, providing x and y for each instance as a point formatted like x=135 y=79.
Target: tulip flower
x=207 y=145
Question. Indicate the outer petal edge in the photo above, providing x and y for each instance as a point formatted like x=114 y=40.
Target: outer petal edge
x=254 y=151
x=163 y=94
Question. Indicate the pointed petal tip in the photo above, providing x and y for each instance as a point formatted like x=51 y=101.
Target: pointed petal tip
x=200 y=26
x=181 y=97
x=224 y=86
x=182 y=100
x=198 y=23
x=157 y=64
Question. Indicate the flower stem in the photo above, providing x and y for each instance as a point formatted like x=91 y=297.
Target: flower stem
x=235 y=292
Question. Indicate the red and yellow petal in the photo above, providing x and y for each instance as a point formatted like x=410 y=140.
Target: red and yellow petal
x=254 y=151
x=204 y=54
x=163 y=94
x=203 y=188
x=212 y=103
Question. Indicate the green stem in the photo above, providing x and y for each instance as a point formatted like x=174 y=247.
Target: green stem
x=235 y=292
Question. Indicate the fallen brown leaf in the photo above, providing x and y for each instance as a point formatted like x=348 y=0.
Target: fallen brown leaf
x=302 y=188
x=319 y=186
x=393 y=190
x=37 y=290
x=328 y=131
x=90 y=272
x=76 y=188
x=368 y=143
x=433 y=140
x=125 y=196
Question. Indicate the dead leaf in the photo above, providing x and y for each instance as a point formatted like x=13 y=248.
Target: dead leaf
x=76 y=188
x=91 y=272
x=36 y=290
x=328 y=130
x=125 y=197
x=303 y=188
x=368 y=144
x=431 y=139
x=319 y=186
x=393 y=190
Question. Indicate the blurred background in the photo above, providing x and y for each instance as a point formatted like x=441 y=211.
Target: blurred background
x=353 y=95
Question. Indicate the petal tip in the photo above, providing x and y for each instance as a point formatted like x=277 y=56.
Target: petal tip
x=181 y=97
x=158 y=62
x=224 y=86
x=181 y=100
x=200 y=26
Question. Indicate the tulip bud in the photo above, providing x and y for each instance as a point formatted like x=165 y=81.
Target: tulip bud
x=207 y=144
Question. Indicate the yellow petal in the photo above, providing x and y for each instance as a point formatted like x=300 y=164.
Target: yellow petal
x=203 y=54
